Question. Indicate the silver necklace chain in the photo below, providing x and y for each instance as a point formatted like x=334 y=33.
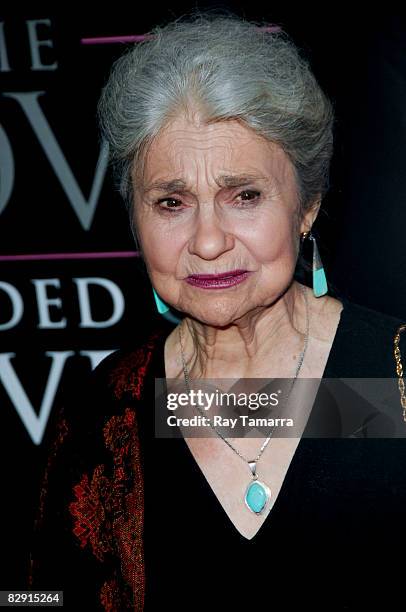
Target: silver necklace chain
x=298 y=368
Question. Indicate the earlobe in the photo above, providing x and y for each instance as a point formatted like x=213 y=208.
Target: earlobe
x=310 y=217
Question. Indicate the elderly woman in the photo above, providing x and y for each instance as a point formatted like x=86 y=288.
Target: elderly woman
x=220 y=140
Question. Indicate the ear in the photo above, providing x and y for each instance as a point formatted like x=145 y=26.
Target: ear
x=310 y=216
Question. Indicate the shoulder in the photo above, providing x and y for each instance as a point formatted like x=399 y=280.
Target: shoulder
x=122 y=374
x=124 y=371
x=366 y=341
x=116 y=382
x=364 y=320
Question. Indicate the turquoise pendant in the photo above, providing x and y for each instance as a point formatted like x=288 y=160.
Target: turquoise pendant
x=257 y=493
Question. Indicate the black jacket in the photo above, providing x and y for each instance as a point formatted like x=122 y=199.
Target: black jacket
x=126 y=519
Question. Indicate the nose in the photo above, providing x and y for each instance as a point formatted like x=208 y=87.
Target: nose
x=210 y=239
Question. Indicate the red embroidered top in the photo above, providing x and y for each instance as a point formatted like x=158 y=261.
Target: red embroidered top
x=88 y=534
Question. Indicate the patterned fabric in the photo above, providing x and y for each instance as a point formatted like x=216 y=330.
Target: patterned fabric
x=91 y=506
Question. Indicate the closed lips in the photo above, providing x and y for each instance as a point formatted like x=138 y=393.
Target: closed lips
x=217 y=276
x=218 y=281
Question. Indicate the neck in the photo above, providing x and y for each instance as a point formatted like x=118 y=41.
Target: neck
x=264 y=342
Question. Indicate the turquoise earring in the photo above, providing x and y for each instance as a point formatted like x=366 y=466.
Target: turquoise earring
x=319 y=276
x=161 y=307
x=164 y=309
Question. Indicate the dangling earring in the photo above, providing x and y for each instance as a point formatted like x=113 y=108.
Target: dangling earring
x=161 y=307
x=319 y=277
x=164 y=309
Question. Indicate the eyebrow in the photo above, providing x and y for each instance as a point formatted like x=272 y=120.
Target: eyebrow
x=224 y=180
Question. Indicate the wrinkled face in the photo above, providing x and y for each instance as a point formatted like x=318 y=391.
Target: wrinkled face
x=217 y=199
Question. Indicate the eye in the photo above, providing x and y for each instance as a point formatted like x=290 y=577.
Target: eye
x=173 y=204
x=252 y=195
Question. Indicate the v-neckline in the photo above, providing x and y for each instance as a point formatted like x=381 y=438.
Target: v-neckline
x=295 y=463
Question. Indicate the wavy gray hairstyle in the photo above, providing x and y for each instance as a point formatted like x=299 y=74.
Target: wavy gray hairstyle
x=229 y=68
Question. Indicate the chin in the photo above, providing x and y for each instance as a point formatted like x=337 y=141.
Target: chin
x=215 y=315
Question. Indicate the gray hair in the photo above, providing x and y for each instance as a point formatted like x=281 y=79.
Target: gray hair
x=230 y=68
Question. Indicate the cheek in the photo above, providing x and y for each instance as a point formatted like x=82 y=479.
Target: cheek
x=161 y=250
x=274 y=241
x=161 y=242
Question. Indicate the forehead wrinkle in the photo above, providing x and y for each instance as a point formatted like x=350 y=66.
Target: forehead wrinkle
x=177 y=180
x=219 y=130
x=204 y=142
x=223 y=180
